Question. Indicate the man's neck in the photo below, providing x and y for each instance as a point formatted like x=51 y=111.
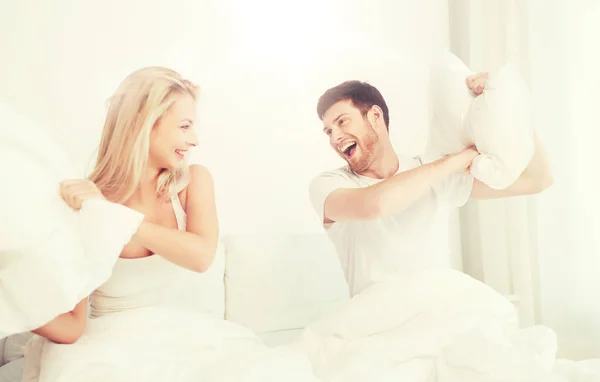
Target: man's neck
x=385 y=165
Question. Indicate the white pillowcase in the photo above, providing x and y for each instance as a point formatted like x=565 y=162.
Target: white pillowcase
x=51 y=257
x=498 y=122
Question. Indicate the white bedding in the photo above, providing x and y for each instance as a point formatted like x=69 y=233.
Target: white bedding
x=163 y=344
x=12 y=371
x=439 y=325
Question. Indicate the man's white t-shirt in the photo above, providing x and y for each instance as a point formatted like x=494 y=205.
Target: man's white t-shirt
x=395 y=245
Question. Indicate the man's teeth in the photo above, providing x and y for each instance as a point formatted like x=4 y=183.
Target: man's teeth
x=345 y=147
x=180 y=152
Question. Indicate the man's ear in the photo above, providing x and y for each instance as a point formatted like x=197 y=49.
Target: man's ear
x=375 y=115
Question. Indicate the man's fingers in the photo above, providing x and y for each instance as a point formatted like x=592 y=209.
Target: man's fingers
x=474 y=78
x=64 y=195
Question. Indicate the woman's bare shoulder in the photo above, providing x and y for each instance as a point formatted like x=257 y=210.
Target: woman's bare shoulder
x=200 y=176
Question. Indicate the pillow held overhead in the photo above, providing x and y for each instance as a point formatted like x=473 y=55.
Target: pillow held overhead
x=498 y=122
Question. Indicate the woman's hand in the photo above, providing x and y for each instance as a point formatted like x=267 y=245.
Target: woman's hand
x=476 y=82
x=75 y=192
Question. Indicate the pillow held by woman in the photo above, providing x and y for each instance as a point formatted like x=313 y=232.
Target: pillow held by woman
x=51 y=257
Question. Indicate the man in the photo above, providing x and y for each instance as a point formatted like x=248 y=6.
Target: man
x=387 y=215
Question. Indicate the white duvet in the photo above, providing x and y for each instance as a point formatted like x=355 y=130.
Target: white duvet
x=158 y=344
x=440 y=326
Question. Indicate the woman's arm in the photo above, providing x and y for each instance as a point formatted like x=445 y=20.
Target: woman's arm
x=196 y=248
x=193 y=249
x=66 y=328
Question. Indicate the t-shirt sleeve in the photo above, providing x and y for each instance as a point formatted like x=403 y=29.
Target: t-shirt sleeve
x=456 y=189
x=320 y=188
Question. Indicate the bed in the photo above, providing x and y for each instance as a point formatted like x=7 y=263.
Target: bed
x=275 y=284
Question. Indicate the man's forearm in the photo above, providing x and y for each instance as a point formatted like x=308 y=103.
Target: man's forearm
x=539 y=170
x=401 y=190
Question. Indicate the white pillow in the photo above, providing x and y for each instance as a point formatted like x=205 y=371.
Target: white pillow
x=498 y=122
x=51 y=257
x=451 y=100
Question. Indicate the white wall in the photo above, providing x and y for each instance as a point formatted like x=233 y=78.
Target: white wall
x=261 y=66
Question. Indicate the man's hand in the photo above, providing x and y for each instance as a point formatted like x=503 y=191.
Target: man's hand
x=467 y=156
x=461 y=161
x=476 y=82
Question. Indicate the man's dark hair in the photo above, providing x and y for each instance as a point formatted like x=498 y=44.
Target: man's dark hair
x=362 y=95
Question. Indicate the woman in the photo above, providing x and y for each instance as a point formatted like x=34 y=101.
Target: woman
x=131 y=333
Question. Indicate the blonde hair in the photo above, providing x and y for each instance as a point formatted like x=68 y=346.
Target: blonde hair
x=136 y=107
